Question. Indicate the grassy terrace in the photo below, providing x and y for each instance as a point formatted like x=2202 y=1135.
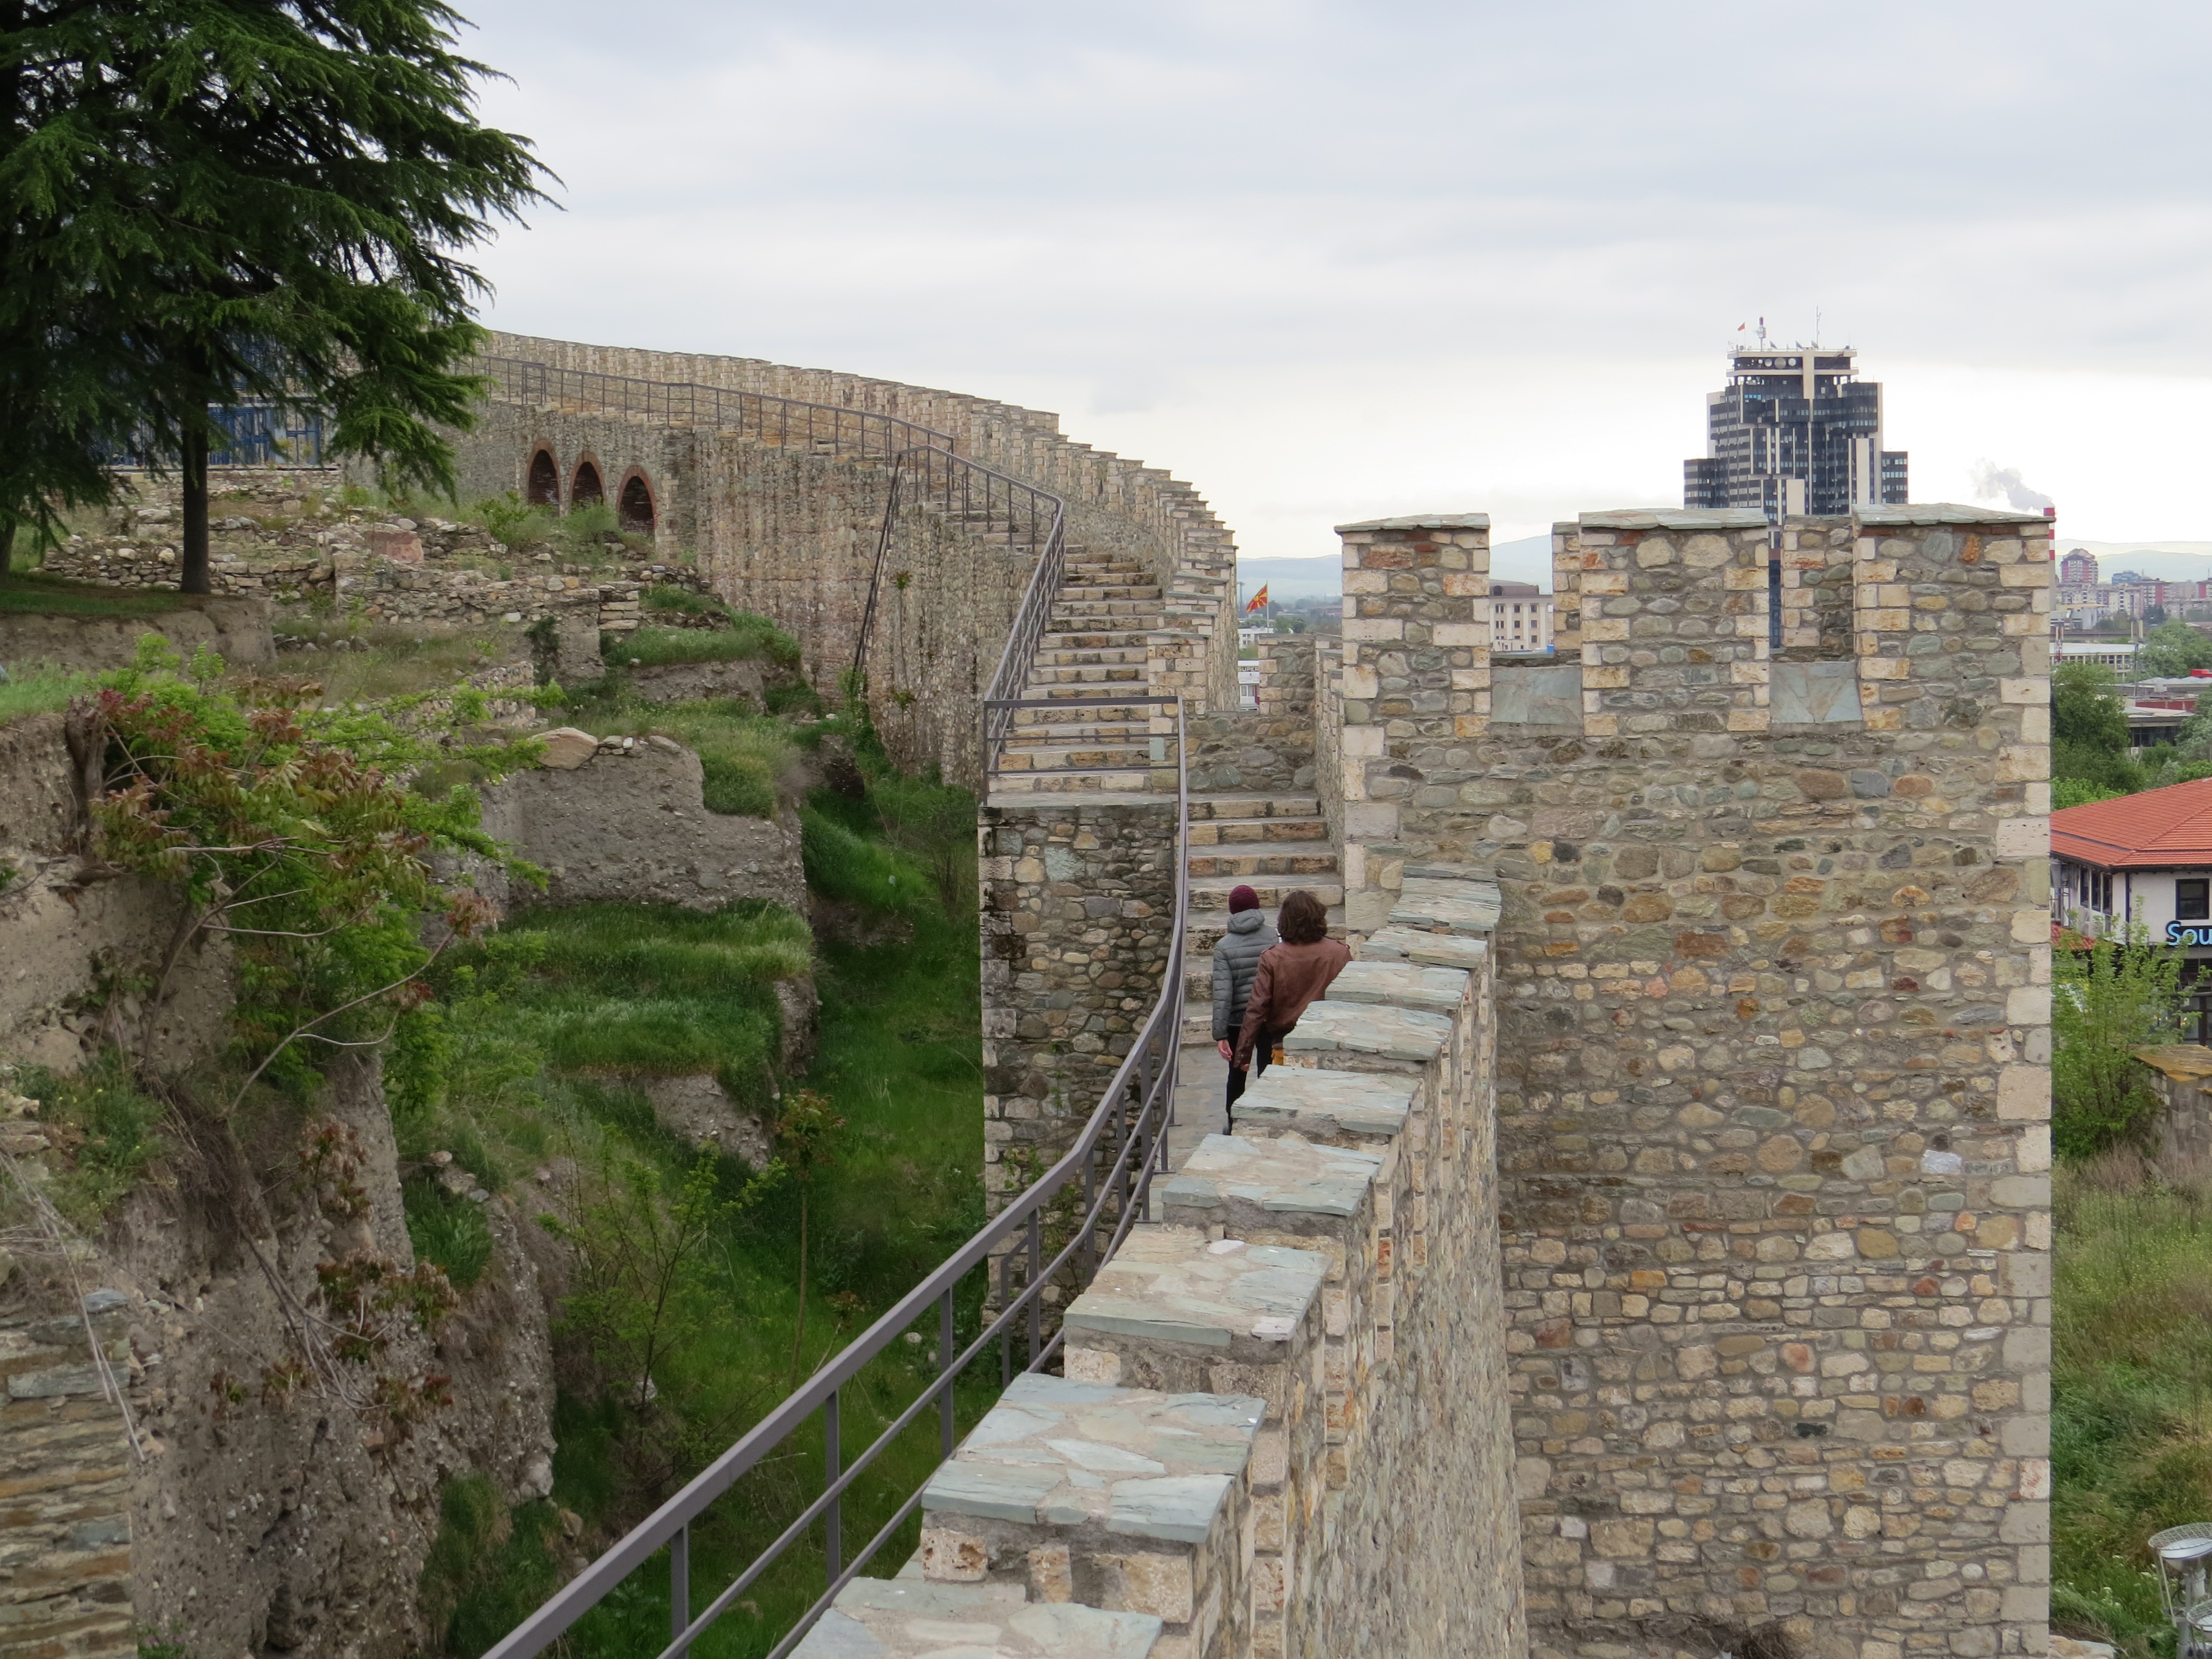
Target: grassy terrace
x=33 y=593
x=538 y=1037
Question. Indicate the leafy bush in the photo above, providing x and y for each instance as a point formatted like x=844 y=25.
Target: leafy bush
x=581 y=532
x=446 y=1228
x=2108 y=1000
x=2075 y=792
x=513 y=520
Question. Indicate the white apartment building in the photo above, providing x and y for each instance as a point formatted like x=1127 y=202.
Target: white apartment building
x=1520 y=617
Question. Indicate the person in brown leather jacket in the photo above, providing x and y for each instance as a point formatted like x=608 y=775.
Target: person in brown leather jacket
x=1291 y=976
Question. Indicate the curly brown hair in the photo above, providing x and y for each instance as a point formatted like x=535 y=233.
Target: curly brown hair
x=1303 y=920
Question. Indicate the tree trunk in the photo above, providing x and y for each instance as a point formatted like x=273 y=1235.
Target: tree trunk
x=7 y=547
x=193 y=575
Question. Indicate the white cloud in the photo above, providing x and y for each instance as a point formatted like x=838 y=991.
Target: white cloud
x=1327 y=260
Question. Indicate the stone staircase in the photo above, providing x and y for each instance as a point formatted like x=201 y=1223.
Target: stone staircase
x=1110 y=610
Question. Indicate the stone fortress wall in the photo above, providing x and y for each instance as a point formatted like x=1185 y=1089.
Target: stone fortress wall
x=1774 y=975
x=790 y=529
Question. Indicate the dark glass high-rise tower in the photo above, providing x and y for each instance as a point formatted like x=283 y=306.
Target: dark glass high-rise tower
x=1795 y=431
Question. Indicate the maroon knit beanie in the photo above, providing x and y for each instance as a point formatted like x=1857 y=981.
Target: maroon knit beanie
x=1243 y=898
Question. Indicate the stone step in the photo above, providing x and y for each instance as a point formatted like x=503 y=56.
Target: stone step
x=1090 y=716
x=1206 y=926
x=1220 y=804
x=1043 y=678
x=1061 y=656
x=1127 y=1500
x=1255 y=832
x=1073 y=782
x=1073 y=593
x=1079 y=732
x=1092 y=639
x=1211 y=892
x=1072 y=757
x=1087 y=612
x=1316 y=858
x=911 y=1618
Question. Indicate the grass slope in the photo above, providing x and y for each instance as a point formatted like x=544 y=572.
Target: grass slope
x=2132 y=1389
x=531 y=1040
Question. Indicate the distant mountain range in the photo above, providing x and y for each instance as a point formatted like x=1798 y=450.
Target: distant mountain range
x=2163 y=561
x=1528 y=560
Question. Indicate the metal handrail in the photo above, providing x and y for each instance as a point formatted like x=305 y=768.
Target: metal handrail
x=1034 y=519
x=1120 y=1150
x=1023 y=639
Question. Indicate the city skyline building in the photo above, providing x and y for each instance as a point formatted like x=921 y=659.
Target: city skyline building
x=2078 y=568
x=1795 y=431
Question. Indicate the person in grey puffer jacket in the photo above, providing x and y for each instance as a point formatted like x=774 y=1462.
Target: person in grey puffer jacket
x=1236 y=960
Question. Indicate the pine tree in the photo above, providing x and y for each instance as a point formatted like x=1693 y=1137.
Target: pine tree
x=240 y=200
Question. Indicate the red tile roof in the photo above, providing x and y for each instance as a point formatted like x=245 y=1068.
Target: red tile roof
x=2157 y=830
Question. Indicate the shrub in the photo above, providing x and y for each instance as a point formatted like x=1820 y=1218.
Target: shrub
x=2107 y=1001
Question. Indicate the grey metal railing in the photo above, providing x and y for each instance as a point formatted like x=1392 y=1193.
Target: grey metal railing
x=829 y=428
x=1112 y=1164
x=989 y=504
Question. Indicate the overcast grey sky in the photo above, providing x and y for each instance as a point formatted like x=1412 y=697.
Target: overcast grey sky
x=1327 y=261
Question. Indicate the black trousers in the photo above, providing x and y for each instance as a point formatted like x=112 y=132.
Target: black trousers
x=1261 y=1052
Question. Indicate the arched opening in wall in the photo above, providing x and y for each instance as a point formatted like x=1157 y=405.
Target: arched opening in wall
x=587 y=487
x=544 y=485
x=636 y=506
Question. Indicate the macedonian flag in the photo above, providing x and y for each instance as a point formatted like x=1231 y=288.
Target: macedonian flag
x=1258 y=599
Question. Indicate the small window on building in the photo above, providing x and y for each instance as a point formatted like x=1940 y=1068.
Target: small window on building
x=2192 y=899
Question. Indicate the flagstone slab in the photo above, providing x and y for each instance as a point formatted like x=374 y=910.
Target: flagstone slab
x=1433 y=950
x=1366 y=1028
x=1336 y=1108
x=1402 y=984
x=1131 y=1460
x=1174 y=1284
x=908 y=1618
x=1231 y=1175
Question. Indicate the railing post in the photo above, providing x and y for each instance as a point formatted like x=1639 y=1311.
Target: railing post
x=1037 y=1282
x=679 y=1586
x=833 y=1530
x=945 y=1365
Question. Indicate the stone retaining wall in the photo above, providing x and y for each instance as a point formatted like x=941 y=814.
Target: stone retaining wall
x=1078 y=906
x=65 y=1537
x=1267 y=748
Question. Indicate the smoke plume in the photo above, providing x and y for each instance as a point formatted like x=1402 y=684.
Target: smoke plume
x=1991 y=481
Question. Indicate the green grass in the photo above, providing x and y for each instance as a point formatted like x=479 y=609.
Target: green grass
x=748 y=638
x=2131 y=1387
x=395 y=660
x=900 y=1059
x=103 y=1126
x=38 y=689
x=35 y=593
x=750 y=759
x=447 y=1229
x=616 y=990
